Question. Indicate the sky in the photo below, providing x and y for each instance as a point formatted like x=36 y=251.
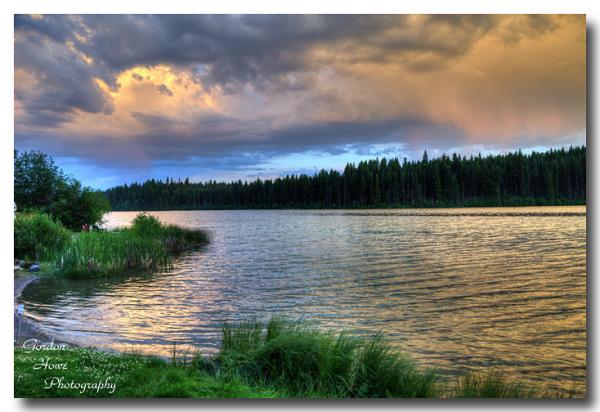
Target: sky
x=123 y=98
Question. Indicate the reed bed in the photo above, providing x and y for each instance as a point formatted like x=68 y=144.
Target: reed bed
x=147 y=245
x=111 y=253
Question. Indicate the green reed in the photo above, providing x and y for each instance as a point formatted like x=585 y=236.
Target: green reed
x=95 y=254
x=147 y=245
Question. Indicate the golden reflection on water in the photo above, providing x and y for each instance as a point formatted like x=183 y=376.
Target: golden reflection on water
x=456 y=289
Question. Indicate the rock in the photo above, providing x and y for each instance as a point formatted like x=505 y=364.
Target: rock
x=34 y=268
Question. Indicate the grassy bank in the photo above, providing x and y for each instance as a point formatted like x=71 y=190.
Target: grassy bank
x=258 y=359
x=146 y=245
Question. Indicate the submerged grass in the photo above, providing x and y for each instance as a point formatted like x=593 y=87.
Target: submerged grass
x=146 y=245
x=274 y=358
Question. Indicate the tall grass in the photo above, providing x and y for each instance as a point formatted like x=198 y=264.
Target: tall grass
x=297 y=360
x=147 y=245
x=301 y=361
x=93 y=254
x=492 y=384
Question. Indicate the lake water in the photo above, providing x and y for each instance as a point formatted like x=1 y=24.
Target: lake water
x=456 y=289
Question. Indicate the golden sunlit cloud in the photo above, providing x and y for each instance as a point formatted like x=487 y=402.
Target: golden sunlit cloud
x=219 y=85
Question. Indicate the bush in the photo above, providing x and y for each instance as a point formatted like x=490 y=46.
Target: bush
x=382 y=372
x=147 y=226
x=174 y=238
x=38 y=236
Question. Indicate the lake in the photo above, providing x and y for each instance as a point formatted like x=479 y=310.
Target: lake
x=456 y=289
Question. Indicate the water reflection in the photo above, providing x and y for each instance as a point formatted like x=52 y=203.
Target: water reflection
x=458 y=289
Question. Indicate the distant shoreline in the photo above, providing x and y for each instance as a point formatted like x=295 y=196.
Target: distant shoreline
x=357 y=209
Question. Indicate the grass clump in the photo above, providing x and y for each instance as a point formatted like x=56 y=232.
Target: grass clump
x=491 y=385
x=382 y=372
x=303 y=362
x=147 y=245
x=38 y=236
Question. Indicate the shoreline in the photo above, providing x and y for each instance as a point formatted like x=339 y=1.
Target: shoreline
x=28 y=328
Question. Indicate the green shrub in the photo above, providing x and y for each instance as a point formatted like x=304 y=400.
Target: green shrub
x=38 y=236
x=147 y=226
x=174 y=238
x=307 y=363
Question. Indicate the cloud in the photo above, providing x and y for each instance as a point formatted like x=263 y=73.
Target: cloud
x=139 y=90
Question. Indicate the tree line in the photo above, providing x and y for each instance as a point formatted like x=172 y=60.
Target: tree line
x=555 y=177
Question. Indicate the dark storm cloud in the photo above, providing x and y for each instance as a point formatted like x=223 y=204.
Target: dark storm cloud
x=60 y=81
x=354 y=81
x=224 y=49
x=255 y=47
x=232 y=48
x=218 y=145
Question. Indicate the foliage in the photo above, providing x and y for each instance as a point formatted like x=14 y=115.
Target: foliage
x=174 y=238
x=147 y=245
x=38 y=236
x=303 y=362
x=262 y=359
x=36 y=179
x=491 y=385
x=40 y=184
x=146 y=225
x=555 y=177
x=135 y=376
x=94 y=254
